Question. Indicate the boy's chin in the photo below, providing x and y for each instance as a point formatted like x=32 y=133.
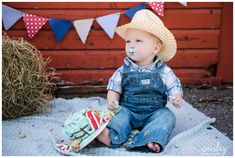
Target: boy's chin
x=132 y=58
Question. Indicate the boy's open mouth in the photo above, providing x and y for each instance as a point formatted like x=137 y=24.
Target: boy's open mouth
x=132 y=52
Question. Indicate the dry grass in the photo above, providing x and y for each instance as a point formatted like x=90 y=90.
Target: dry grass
x=26 y=86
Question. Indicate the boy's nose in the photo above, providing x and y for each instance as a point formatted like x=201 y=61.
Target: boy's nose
x=131 y=45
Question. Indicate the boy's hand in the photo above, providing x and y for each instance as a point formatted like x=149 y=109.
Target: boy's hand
x=176 y=100
x=112 y=98
x=113 y=106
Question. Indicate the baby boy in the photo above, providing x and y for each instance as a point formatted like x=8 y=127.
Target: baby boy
x=143 y=85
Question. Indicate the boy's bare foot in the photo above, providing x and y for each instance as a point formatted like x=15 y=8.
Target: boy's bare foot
x=104 y=138
x=154 y=146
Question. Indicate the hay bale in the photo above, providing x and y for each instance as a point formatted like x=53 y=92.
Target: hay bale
x=26 y=86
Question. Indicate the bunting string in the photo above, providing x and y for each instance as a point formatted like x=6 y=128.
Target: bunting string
x=60 y=27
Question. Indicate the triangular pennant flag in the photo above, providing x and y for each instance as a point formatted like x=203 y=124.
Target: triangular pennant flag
x=157 y=7
x=10 y=16
x=130 y=12
x=60 y=27
x=109 y=23
x=83 y=28
x=184 y=3
x=33 y=23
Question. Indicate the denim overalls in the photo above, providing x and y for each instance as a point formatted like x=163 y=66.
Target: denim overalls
x=143 y=103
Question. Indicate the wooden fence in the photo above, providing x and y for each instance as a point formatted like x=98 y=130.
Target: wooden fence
x=203 y=32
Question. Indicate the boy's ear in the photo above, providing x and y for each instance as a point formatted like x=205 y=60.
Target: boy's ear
x=157 y=48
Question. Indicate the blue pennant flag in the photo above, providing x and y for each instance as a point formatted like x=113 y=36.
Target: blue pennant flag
x=10 y=16
x=60 y=27
x=130 y=12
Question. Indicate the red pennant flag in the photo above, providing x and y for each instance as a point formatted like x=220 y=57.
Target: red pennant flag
x=33 y=23
x=158 y=7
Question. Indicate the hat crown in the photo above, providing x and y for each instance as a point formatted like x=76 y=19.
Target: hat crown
x=146 y=15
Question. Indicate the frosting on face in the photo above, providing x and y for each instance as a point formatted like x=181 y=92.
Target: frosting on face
x=132 y=53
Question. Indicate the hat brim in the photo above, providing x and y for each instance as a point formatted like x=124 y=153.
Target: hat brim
x=169 y=45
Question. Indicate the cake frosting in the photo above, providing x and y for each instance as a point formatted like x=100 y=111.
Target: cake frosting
x=82 y=124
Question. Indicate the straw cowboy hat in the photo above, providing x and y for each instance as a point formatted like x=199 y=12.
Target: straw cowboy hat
x=147 y=21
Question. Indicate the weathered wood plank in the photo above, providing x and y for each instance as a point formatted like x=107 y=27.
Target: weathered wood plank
x=87 y=68
x=201 y=80
x=105 y=5
x=88 y=89
x=225 y=63
x=114 y=58
x=99 y=77
x=98 y=39
x=173 y=18
x=194 y=59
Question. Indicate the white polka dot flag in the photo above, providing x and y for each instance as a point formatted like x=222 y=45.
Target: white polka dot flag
x=157 y=7
x=33 y=23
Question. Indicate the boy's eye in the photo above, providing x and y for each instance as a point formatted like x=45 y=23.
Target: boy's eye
x=128 y=41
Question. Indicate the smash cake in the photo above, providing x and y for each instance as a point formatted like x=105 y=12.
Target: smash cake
x=84 y=126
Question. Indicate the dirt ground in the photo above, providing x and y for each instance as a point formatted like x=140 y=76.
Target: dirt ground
x=215 y=102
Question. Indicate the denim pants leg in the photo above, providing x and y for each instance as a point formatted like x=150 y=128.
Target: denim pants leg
x=119 y=128
x=157 y=128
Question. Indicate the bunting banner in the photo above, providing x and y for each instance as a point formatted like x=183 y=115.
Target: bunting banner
x=184 y=3
x=60 y=27
x=157 y=7
x=83 y=28
x=109 y=23
x=130 y=12
x=33 y=23
x=10 y=16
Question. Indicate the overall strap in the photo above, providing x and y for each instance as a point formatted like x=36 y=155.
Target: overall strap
x=159 y=66
x=126 y=68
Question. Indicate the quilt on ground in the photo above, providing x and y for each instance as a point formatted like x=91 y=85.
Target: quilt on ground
x=38 y=135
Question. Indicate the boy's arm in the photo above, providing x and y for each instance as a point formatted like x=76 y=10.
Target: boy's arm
x=174 y=88
x=112 y=96
x=114 y=88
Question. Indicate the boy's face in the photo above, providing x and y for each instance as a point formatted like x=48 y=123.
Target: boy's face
x=141 y=46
